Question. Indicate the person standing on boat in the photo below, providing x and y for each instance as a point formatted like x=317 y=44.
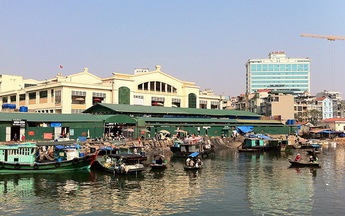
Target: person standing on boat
x=298 y=157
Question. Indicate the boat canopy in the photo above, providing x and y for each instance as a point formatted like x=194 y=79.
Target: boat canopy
x=106 y=148
x=194 y=154
x=60 y=147
x=260 y=136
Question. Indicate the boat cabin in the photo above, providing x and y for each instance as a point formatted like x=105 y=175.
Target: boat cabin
x=18 y=153
x=250 y=143
x=67 y=152
x=131 y=150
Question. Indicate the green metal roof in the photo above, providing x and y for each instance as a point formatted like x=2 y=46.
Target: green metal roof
x=259 y=122
x=116 y=118
x=124 y=108
x=48 y=117
x=185 y=120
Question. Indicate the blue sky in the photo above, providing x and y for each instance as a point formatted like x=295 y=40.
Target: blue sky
x=206 y=42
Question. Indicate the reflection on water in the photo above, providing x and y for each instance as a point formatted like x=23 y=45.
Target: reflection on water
x=230 y=183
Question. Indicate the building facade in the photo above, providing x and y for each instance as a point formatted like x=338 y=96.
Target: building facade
x=279 y=106
x=336 y=98
x=278 y=73
x=75 y=93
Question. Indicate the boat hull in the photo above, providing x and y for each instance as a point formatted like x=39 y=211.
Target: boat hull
x=51 y=166
x=303 y=164
x=192 y=168
x=155 y=166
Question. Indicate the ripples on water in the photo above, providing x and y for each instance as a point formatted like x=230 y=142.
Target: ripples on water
x=231 y=183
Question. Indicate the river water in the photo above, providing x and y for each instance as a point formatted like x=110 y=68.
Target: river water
x=231 y=183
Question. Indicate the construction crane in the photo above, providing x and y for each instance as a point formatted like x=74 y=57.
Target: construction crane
x=328 y=37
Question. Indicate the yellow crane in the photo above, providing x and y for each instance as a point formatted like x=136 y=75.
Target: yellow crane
x=328 y=37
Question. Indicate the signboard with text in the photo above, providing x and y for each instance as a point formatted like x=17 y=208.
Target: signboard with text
x=19 y=122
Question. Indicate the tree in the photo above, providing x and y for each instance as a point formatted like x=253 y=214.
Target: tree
x=314 y=116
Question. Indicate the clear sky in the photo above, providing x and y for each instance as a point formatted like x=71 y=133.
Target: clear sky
x=204 y=41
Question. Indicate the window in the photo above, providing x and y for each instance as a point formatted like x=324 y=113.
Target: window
x=32 y=95
x=44 y=94
x=192 y=100
x=78 y=93
x=4 y=99
x=57 y=97
x=22 y=97
x=78 y=99
x=13 y=98
x=157 y=86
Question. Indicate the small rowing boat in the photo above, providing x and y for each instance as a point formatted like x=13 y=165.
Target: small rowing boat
x=304 y=164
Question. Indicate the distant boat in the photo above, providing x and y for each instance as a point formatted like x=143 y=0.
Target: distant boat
x=182 y=149
x=159 y=163
x=260 y=144
x=304 y=164
x=52 y=157
x=196 y=163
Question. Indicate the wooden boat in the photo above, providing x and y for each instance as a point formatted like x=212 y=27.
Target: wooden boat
x=182 y=149
x=304 y=164
x=29 y=157
x=192 y=168
x=197 y=163
x=159 y=163
x=259 y=144
x=120 y=163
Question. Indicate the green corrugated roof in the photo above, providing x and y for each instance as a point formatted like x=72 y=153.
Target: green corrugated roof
x=186 y=120
x=47 y=117
x=116 y=118
x=124 y=108
x=259 y=121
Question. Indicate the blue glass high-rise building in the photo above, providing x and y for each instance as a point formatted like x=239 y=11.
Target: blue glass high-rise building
x=278 y=73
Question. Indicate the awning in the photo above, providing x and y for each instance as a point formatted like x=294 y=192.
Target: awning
x=180 y=131
x=129 y=129
x=245 y=129
x=164 y=131
x=226 y=128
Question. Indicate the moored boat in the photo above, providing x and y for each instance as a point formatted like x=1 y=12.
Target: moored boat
x=121 y=163
x=182 y=149
x=260 y=143
x=160 y=163
x=29 y=157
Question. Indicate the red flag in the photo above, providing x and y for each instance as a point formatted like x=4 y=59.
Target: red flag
x=61 y=66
